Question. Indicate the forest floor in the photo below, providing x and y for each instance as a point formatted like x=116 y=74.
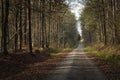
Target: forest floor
x=21 y=66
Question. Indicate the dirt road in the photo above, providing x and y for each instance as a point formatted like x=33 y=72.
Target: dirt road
x=76 y=66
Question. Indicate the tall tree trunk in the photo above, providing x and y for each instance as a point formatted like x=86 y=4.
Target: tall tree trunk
x=114 y=21
x=20 y=25
x=16 y=27
x=25 y=27
x=43 y=23
x=104 y=23
x=2 y=4
x=29 y=16
x=5 y=26
x=48 y=43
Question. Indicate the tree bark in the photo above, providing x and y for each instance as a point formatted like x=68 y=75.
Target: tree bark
x=5 y=26
x=29 y=16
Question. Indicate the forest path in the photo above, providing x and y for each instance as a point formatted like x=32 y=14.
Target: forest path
x=76 y=66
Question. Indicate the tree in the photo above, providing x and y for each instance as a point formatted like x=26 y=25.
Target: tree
x=5 y=14
x=29 y=17
x=103 y=26
x=36 y=24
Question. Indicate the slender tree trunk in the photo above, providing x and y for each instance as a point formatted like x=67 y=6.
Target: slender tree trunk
x=20 y=25
x=25 y=27
x=43 y=23
x=16 y=27
x=30 y=35
x=104 y=23
x=5 y=26
x=114 y=22
x=48 y=44
x=2 y=15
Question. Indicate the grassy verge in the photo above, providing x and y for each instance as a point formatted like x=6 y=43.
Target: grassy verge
x=55 y=51
x=52 y=51
x=105 y=56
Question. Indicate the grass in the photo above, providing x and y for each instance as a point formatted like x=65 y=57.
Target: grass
x=54 y=51
x=105 y=56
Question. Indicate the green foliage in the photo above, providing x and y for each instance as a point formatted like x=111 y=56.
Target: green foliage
x=70 y=31
x=89 y=25
x=105 y=56
x=54 y=51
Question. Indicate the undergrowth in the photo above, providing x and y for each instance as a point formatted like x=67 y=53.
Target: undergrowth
x=54 y=50
x=105 y=53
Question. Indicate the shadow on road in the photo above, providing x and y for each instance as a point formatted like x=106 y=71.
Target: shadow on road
x=76 y=66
